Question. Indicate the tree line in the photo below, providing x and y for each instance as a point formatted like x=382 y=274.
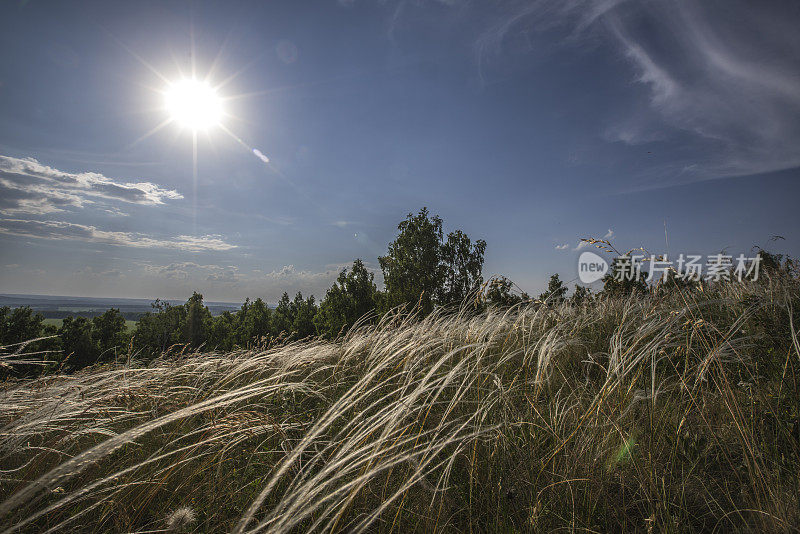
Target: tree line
x=422 y=270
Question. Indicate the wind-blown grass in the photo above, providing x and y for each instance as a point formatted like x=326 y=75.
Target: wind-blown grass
x=667 y=412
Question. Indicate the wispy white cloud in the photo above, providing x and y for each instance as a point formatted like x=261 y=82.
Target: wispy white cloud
x=189 y=275
x=91 y=234
x=734 y=87
x=290 y=274
x=93 y=272
x=172 y=271
x=228 y=274
x=609 y=234
x=565 y=246
x=317 y=282
x=28 y=187
x=116 y=212
x=189 y=270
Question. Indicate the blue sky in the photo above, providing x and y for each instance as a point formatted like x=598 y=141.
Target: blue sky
x=527 y=124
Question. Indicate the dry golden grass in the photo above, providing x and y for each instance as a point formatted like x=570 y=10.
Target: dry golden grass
x=667 y=412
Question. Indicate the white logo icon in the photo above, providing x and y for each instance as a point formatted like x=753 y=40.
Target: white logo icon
x=591 y=267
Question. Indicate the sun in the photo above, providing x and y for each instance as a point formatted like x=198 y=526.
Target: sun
x=193 y=104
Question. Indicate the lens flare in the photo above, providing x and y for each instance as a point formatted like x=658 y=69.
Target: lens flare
x=260 y=155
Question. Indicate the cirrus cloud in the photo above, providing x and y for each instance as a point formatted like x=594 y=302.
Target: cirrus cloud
x=91 y=234
x=722 y=76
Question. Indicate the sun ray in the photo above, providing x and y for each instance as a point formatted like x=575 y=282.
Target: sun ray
x=194 y=182
x=178 y=65
x=136 y=56
x=283 y=88
x=216 y=62
x=152 y=131
x=225 y=44
x=210 y=141
x=140 y=112
x=235 y=137
x=192 y=52
x=239 y=72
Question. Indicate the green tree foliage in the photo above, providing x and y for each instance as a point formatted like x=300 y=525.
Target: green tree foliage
x=333 y=316
x=676 y=281
x=499 y=293
x=283 y=317
x=621 y=282
x=159 y=329
x=462 y=264
x=109 y=333
x=197 y=319
x=253 y=323
x=581 y=296
x=192 y=324
x=304 y=312
x=556 y=291
x=411 y=269
x=773 y=264
x=351 y=296
x=19 y=325
x=250 y=325
x=83 y=341
x=222 y=330
x=421 y=267
x=359 y=285
x=5 y=315
x=79 y=348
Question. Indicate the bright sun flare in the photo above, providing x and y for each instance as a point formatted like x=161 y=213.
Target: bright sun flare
x=193 y=104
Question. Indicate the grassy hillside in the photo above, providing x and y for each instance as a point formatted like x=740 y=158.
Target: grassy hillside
x=666 y=412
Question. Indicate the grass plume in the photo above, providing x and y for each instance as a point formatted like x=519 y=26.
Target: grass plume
x=671 y=411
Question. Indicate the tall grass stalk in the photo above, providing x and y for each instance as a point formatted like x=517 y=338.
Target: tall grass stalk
x=673 y=411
